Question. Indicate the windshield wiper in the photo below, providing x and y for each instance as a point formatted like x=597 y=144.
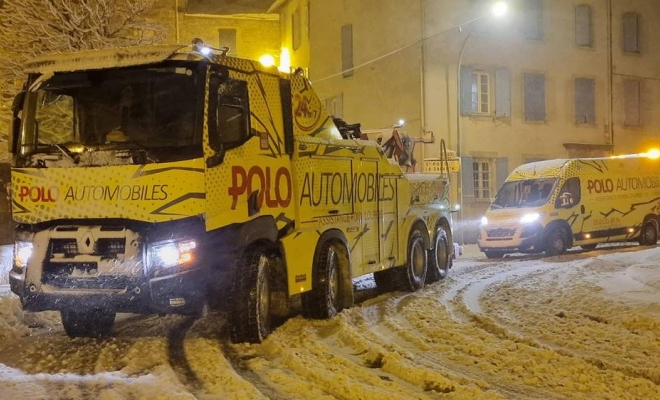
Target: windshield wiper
x=67 y=153
x=135 y=145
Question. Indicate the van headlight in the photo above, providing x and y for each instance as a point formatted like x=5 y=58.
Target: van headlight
x=172 y=254
x=484 y=221
x=22 y=254
x=529 y=218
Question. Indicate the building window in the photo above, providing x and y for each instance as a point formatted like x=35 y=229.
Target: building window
x=534 y=85
x=482 y=172
x=631 y=32
x=480 y=93
x=295 y=30
x=631 y=101
x=347 y=50
x=227 y=38
x=583 y=26
x=585 y=101
x=533 y=19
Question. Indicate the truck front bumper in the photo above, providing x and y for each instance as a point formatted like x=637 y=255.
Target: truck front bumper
x=180 y=293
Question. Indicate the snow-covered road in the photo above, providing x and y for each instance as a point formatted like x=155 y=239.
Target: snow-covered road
x=583 y=325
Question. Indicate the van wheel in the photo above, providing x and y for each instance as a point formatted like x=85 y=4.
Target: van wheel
x=649 y=233
x=494 y=254
x=93 y=323
x=438 y=258
x=556 y=243
x=412 y=276
x=327 y=297
x=250 y=318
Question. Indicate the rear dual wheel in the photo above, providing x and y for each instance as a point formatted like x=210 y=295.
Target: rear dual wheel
x=410 y=277
x=439 y=257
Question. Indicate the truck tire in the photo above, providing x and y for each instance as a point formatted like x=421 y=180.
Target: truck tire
x=326 y=298
x=250 y=317
x=411 y=277
x=93 y=323
x=438 y=257
x=386 y=280
x=556 y=243
x=648 y=235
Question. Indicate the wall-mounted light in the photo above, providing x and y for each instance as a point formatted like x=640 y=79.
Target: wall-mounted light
x=267 y=60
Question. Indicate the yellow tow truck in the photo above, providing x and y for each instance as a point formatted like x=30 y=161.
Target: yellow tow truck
x=162 y=179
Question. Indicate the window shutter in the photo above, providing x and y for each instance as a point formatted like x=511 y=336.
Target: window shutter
x=502 y=93
x=631 y=99
x=533 y=19
x=631 y=32
x=502 y=173
x=295 y=30
x=347 y=50
x=227 y=38
x=585 y=101
x=466 y=90
x=467 y=177
x=583 y=25
x=534 y=97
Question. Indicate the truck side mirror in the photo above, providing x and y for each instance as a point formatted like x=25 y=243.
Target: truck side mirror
x=15 y=124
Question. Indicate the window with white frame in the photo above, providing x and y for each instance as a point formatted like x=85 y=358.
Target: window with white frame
x=480 y=91
x=482 y=172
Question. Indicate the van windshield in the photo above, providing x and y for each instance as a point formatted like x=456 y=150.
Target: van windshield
x=527 y=193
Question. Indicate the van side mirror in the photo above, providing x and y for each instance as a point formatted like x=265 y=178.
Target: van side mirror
x=15 y=124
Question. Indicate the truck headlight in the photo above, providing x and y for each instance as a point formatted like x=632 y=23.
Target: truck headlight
x=22 y=254
x=172 y=254
x=484 y=221
x=529 y=218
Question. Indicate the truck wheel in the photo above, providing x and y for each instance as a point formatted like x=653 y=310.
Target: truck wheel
x=493 y=254
x=250 y=318
x=438 y=258
x=386 y=280
x=326 y=298
x=556 y=243
x=412 y=276
x=88 y=323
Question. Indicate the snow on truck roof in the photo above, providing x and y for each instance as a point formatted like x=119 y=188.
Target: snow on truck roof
x=103 y=58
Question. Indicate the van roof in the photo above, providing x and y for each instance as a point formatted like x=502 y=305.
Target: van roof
x=538 y=169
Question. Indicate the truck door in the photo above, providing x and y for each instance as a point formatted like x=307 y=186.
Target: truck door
x=389 y=227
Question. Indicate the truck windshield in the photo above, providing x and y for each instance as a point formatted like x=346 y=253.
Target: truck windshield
x=151 y=108
x=527 y=193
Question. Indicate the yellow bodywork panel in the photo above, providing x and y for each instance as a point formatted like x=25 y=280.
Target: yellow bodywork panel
x=149 y=193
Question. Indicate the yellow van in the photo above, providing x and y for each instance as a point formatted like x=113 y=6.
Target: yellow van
x=551 y=206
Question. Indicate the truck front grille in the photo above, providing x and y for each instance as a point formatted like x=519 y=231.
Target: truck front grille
x=92 y=257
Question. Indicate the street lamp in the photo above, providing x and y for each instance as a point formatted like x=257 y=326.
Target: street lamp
x=498 y=10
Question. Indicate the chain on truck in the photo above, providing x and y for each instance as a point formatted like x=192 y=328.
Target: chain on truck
x=165 y=179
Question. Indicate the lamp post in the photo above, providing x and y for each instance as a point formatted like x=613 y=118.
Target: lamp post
x=498 y=10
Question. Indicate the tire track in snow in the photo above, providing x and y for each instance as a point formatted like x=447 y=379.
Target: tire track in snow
x=471 y=295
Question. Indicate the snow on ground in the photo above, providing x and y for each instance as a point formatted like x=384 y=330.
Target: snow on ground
x=583 y=325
